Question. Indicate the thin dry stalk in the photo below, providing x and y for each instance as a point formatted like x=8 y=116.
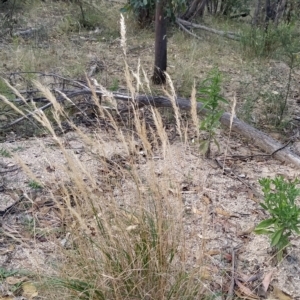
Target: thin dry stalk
x=160 y=130
x=137 y=77
x=173 y=98
x=123 y=34
x=15 y=108
x=194 y=114
x=230 y=127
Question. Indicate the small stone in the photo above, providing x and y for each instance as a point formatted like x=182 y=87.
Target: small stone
x=3 y=118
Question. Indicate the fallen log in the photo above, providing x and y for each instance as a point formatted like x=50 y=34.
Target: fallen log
x=258 y=138
x=227 y=34
x=253 y=135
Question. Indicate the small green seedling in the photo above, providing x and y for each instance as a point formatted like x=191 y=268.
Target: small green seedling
x=279 y=201
x=4 y=153
x=210 y=97
x=34 y=185
x=115 y=85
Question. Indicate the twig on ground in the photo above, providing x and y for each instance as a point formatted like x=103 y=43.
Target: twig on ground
x=231 y=288
x=10 y=170
x=12 y=209
x=244 y=157
x=26 y=116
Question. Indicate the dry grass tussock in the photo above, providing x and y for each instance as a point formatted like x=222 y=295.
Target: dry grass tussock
x=124 y=228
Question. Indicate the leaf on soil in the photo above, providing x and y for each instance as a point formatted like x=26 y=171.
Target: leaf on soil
x=197 y=211
x=246 y=291
x=242 y=295
x=131 y=227
x=222 y=212
x=228 y=257
x=246 y=232
x=29 y=290
x=50 y=169
x=280 y=294
x=12 y=280
x=173 y=192
x=266 y=281
x=213 y=252
x=206 y=199
x=205 y=273
x=253 y=197
x=204 y=237
x=9 y=249
x=248 y=278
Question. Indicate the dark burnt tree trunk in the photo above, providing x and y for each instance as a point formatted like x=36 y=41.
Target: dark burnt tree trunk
x=160 y=64
x=271 y=7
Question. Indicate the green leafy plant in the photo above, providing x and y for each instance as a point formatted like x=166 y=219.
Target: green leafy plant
x=290 y=49
x=144 y=10
x=34 y=185
x=210 y=97
x=279 y=201
x=4 y=273
x=115 y=85
x=4 y=153
x=6 y=91
x=235 y=7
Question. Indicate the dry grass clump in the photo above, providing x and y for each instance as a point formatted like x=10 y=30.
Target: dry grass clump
x=134 y=250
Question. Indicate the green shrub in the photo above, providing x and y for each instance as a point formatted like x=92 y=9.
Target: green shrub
x=280 y=201
x=144 y=10
x=276 y=40
x=210 y=97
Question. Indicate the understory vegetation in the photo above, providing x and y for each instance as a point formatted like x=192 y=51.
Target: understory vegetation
x=109 y=210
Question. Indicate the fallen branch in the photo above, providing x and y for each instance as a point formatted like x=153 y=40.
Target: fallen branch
x=188 y=31
x=227 y=34
x=256 y=137
x=26 y=33
x=10 y=170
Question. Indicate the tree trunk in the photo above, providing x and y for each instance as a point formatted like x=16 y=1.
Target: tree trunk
x=216 y=4
x=256 y=13
x=280 y=10
x=271 y=11
x=160 y=64
x=195 y=8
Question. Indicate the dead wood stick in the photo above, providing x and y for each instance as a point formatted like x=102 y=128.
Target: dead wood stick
x=27 y=116
x=10 y=170
x=231 y=288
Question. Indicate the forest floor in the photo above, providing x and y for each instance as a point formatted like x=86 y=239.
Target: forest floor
x=220 y=206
